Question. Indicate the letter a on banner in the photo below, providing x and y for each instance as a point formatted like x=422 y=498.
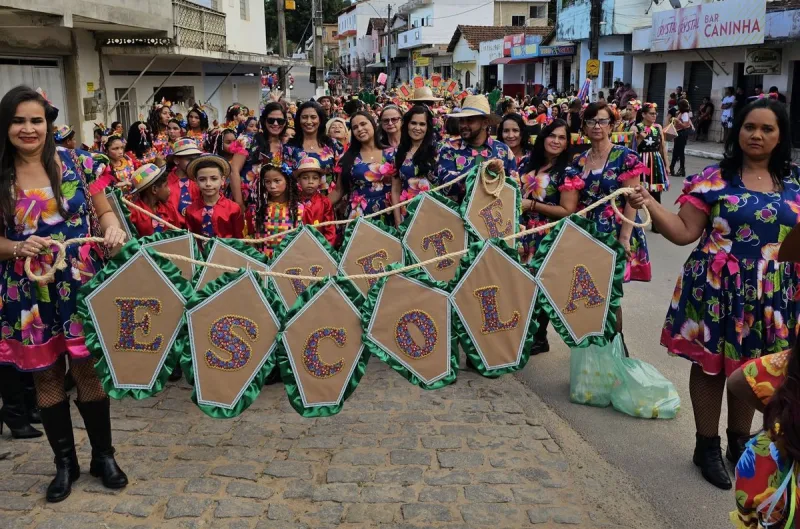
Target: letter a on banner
x=302 y=253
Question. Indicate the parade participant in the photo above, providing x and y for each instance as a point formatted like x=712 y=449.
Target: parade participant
x=64 y=136
x=276 y=205
x=288 y=134
x=43 y=196
x=652 y=147
x=365 y=171
x=116 y=128
x=183 y=190
x=310 y=140
x=157 y=122
x=152 y=195
x=316 y=207
x=222 y=142
x=234 y=117
x=683 y=124
x=327 y=105
x=336 y=129
x=547 y=195
x=140 y=145
x=197 y=125
x=574 y=116
x=555 y=112
x=416 y=158
x=174 y=133
x=99 y=132
x=726 y=118
x=120 y=169
x=732 y=286
x=211 y=214
x=513 y=132
x=458 y=156
x=424 y=96
x=390 y=119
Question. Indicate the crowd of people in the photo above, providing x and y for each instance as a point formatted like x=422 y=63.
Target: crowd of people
x=341 y=158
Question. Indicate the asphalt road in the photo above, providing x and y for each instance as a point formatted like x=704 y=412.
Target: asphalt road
x=656 y=454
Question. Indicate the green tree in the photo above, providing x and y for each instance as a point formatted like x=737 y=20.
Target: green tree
x=298 y=28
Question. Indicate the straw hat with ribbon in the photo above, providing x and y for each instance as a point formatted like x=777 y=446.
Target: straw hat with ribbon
x=63 y=132
x=308 y=165
x=424 y=94
x=185 y=147
x=219 y=161
x=145 y=176
x=476 y=106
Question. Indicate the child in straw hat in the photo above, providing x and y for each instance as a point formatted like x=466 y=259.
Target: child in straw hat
x=183 y=190
x=211 y=214
x=316 y=206
x=151 y=194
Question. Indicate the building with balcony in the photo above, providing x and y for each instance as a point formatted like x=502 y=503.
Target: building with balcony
x=109 y=60
x=353 y=22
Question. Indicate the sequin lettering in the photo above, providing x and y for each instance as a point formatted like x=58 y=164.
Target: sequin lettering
x=311 y=360
x=405 y=341
x=582 y=288
x=128 y=325
x=223 y=337
x=487 y=296
x=437 y=241
x=297 y=284
x=493 y=219
x=371 y=264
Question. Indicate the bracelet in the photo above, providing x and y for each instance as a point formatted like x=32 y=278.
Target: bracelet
x=16 y=249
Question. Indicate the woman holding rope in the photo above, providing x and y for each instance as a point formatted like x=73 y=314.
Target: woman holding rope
x=44 y=196
x=734 y=300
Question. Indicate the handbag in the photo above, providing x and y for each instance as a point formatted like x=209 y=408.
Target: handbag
x=670 y=133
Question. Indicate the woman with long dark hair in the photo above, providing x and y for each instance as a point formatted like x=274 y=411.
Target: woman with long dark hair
x=44 y=195
x=197 y=125
x=513 y=132
x=416 y=158
x=140 y=145
x=734 y=300
x=652 y=148
x=158 y=121
x=547 y=195
x=365 y=171
x=683 y=124
x=265 y=146
x=310 y=140
x=390 y=120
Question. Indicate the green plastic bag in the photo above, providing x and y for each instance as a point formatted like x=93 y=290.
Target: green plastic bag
x=641 y=391
x=592 y=373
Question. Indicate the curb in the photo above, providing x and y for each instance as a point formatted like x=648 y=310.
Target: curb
x=698 y=153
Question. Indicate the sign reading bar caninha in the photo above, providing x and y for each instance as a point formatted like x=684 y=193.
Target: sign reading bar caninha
x=728 y=23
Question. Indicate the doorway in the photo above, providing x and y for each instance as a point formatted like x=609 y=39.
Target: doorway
x=657 y=86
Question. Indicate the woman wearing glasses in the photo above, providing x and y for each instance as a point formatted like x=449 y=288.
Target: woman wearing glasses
x=311 y=141
x=389 y=119
x=263 y=147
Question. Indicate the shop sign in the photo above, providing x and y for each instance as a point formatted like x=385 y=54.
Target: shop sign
x=728 y=23
x=762 y=61
x=421 y=60
x=510 y=41
x=529 y=49
x=556 y=51
x=490 y=50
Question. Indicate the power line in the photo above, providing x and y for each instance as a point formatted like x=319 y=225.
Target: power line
x=463 y=12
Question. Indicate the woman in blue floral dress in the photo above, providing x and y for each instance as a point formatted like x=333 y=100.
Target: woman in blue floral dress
x=45 y=201
x=310 y=141
x=734 y=301
x=416 y=158
x=365 y=171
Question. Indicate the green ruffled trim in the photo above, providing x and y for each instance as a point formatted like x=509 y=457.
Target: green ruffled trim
x=472 y=181
x=172 y=234
x=615 y=295
x=90 y=331
x=126 y=214
x=348 y=235
x=288 y=376
x=254 y=388
x=237 y=245
x=368 y=311
x=459 y=328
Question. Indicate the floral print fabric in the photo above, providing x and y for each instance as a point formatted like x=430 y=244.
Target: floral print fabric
x=759 y=473
x=328 y=157
x=414 y=183
x=38 y=323
x=370 y=185
x=734 y=301
x=457 y=157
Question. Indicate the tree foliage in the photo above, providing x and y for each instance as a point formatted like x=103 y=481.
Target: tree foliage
x=298 y=27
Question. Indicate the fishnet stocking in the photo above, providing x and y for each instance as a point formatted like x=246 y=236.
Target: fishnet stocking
x=740 y=415
x=706 y=394
x=50 y=383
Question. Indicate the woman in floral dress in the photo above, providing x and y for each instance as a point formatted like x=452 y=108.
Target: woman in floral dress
x=197 y=125
x=365 y=172
x=416 y=158
x=158 y=122
x=265 y=146
x=44 y=196
x=734 y=301
x=310 y=141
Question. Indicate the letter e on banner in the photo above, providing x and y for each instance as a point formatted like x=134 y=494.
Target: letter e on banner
x=492 y=216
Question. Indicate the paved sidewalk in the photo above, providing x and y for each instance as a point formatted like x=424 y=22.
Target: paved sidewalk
x=480 y=453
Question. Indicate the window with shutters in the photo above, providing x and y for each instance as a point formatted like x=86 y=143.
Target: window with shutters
x=608 y=73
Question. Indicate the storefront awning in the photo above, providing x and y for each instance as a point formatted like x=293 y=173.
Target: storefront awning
x=377 y=65
x=501 y=60
x=526 y=60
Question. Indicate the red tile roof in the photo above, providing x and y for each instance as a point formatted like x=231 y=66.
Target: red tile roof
x=474 y=35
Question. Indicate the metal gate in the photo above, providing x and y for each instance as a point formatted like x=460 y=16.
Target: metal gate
x=698 y=84
x=44 y=73
x=656 y=88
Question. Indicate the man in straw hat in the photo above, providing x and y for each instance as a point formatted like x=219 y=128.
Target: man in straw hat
x=152 y=195
x=459 y=155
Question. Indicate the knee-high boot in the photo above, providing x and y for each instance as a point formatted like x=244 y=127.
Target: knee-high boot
x=13 y=413
x=29 y=394
x=58 y=426
x=97 y=417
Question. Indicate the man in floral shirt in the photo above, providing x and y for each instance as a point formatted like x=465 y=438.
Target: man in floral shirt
x=458 y=156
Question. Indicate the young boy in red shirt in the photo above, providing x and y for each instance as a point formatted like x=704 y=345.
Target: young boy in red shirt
x=317 y=207
x=151 y=193
x=212 y=214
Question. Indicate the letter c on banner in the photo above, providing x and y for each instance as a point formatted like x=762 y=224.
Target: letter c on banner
x=311 y=360
x=491 y=315
x=297 y=284
x=368 y=264
x=494 y=219
x=126 y=339
x=406 y=342
x=222 y=336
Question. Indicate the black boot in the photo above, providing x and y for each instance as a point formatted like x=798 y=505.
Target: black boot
x=29 y=394
x=708 y=456
x=13 y=413
x=97 y=417
x=736 y=445
x=58 y=426
x=69 y=382
x=540 y=343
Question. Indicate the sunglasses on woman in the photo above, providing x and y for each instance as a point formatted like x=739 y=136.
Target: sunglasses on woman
x=387 y=121
x=275 y=121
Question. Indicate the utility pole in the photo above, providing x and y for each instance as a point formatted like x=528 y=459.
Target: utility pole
x=389 y=48
x=594 y=34
x=319 y=64
x=284 y=82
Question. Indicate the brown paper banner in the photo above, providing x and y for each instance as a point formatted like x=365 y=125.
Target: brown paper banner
x=369 y=250
x=576 y=277
x=232 y=334
x=305 y=256
x=223 y=254
x=436 y=230
x=410 y=304
x=136 y=326
x=323 y=342
x=495 y=300
x=181 y=245
x=493 y=217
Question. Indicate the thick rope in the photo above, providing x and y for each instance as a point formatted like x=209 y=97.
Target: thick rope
x=60 y=260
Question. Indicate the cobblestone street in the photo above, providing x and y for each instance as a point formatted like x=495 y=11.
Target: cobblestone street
x=476 y=454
